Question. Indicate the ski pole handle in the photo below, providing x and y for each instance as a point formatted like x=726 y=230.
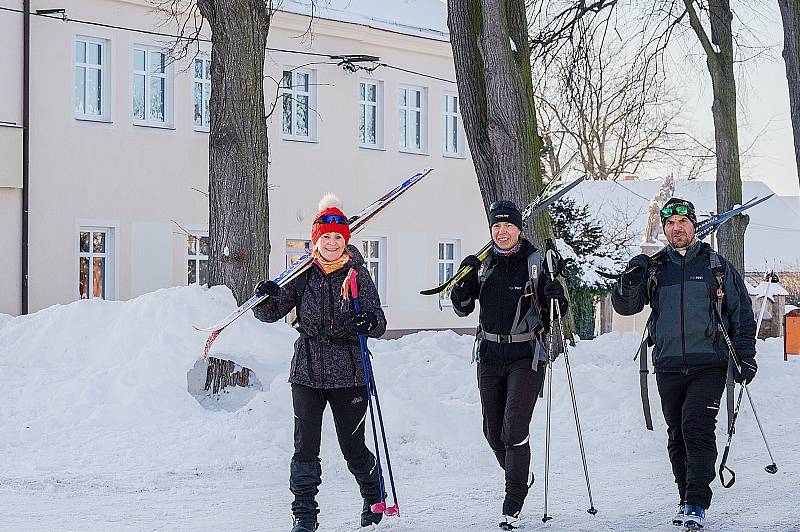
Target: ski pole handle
x=352 y=281
x=552 y=258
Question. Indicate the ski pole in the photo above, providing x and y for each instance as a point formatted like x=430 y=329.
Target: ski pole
x=771 y=468
x=369 y=385
x=393 y=510
x=550 y=355
x=551 y=256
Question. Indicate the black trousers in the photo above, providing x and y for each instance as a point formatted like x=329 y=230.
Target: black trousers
x=690 y=404
x=349 y=407
x=508 y=395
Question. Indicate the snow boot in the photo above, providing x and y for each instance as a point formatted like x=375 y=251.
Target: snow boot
x=367 y=517
x=305 y=523
x=680 y=514
x=509 y=523
x=511 y=509
x=694 y=517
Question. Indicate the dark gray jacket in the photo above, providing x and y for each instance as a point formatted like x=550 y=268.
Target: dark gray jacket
x=327 y=354
x=682 y=326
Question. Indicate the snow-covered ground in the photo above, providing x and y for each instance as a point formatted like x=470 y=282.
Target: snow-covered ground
x=99 y=431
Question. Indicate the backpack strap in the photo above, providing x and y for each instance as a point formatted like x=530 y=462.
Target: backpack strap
x=643 y=373
x=718 y=269
x=524 y=328
x=302 y=282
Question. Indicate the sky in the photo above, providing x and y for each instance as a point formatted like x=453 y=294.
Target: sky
x=763 y=101
x=764 y=123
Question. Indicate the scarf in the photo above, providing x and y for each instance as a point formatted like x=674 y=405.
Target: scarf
x=506 y=252
x=330 y=266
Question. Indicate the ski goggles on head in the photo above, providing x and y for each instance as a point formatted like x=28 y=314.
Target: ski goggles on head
x=503 y=205
x=678 y=208
x=332 y=219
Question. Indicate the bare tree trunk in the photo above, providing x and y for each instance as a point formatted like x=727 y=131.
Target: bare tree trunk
x=790 y=13
x=238 y=157
x=238 y=149
x=497 y=105
x=492 y=59
x=719 y=59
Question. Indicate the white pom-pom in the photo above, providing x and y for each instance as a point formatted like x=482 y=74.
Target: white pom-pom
x=327 y=201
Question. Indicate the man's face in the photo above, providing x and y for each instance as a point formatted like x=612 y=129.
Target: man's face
x=679 y=231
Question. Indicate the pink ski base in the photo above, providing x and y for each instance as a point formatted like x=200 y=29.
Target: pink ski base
x=381 y=508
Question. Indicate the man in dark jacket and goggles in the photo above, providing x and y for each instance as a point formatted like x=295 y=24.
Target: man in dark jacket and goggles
x=690 y=357
x=514 y=293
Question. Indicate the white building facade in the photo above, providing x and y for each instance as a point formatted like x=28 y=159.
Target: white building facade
x=119 y=151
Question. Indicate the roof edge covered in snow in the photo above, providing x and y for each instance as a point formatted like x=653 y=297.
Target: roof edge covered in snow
x=426 y=19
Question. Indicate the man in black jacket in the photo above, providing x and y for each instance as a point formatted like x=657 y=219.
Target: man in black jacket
x=514 y=292
x=682 y=283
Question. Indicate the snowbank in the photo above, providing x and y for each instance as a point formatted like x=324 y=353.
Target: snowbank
x=97 y=422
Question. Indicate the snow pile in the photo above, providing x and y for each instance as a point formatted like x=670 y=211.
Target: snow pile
x=99 y=431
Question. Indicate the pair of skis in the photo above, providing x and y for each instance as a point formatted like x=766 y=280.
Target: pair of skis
x=298 y=267
x=704 y=228
x=543 y=200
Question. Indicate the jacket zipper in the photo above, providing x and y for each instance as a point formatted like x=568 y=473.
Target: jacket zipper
x=322 y=347
x=683 y=333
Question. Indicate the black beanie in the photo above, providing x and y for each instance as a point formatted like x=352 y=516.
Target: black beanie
x=505 y=211
x=677 y=201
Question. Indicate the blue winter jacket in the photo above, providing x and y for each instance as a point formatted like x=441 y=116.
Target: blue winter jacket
x=682 y=326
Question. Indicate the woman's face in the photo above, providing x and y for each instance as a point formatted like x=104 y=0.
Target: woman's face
x=505 y=235
x=331 y=246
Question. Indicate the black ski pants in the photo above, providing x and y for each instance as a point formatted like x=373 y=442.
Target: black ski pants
x=690 y=404
x=349 y=407
x=508 y=395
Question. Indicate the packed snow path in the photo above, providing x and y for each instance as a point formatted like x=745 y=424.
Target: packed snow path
x=98 y=431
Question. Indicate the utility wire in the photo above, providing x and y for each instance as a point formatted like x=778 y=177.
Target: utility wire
x=63 y=18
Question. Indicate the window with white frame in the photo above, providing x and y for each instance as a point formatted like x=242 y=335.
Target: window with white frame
x=298 y=93
x=453 y=145
x=374 y=252
x=197 y=259
x=150 y=87
x=370 y=114
x=90 y=78
x=202 y=93
x=95 y=262
x=411 y=119
x=447 y=265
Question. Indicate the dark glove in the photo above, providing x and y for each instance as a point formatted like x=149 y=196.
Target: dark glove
x=267 y=288
x=636 y=270
x=364 y=322
x=473 y=261
x=748 y=370
x=553 y=289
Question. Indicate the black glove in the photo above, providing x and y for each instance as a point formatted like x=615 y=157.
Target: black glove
x=471 y=260
x=364 y=322
x=553 y=289
x=748 y=370
x=267 y=288
x=636 y=270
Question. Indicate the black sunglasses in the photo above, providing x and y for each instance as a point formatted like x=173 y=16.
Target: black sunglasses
x=503 y=204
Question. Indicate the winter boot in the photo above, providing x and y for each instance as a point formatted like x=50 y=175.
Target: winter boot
x=511 y=508
x=367 y=517
x=680 y=514
x=693 y=517
x=305 y=523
